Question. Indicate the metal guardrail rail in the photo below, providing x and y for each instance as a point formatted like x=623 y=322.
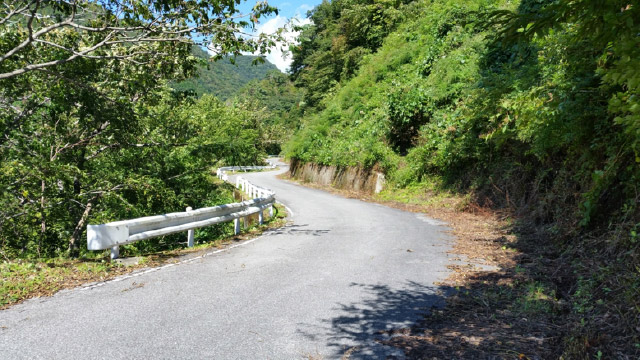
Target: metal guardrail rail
x=221 y=172
x=114 y=234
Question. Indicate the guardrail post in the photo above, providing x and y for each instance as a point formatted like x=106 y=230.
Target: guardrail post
x=260 y=216
x=190 y=233
x=236 y=226
x=271 y=211
x=115 y=252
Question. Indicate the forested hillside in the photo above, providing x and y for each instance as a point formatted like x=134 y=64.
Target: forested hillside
x=225 y=77
x=530 y=107
x=280 y=104
x=92 y=132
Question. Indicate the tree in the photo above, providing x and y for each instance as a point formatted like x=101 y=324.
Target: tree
x=81 y=83
x=611 y=26
x=278 y=101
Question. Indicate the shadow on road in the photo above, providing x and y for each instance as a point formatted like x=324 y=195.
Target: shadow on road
x=299 y=230
x=362 y=325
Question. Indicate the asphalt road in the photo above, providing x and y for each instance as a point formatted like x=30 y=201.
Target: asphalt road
x=328 y=283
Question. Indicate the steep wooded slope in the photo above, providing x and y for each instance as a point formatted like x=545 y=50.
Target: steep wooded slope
x=530 y=107
x=223 y=78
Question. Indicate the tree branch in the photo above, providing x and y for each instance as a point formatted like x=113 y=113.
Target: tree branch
x=162 y=26
x=12 y=13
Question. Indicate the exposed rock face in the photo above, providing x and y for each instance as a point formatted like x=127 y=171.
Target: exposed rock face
x=348 y=178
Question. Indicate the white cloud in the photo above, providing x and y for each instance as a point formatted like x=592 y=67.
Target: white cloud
x=302 y=9
x=278 y=56
x=281 y=59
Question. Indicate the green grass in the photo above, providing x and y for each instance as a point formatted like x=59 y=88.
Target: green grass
x=23 y=279
x=426 y=193
x=536 y=298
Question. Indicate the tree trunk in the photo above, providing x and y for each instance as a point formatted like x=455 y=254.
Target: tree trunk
x=73 y=242
x=43 y=223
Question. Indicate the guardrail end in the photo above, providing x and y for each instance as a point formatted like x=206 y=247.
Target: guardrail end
x=105 y=236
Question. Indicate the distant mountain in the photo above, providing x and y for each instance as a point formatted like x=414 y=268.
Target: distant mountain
x=222 y=78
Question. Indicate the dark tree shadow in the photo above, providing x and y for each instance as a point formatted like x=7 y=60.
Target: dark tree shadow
x=361 y=326
x=298 y=230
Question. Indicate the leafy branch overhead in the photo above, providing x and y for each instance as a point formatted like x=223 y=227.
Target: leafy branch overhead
x=137 y=31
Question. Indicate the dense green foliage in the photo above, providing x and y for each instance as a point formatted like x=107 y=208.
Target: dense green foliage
x=101 y=137
x=279 y=103
x=342 y=33
x=225 y=77
x=443 y=96
x=532 y=106
x=160 y=166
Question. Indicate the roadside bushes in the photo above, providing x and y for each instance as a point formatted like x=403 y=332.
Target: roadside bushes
x=162 y=163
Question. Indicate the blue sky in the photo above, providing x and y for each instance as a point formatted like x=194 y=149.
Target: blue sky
x=288 y=9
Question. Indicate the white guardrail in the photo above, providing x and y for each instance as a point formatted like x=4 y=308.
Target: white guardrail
x=114 y=234
x=221 y=172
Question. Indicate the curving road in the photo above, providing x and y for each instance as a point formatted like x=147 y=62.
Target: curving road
x=321 y=287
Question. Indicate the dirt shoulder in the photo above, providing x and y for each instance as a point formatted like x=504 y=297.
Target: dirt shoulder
x=503 y=306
